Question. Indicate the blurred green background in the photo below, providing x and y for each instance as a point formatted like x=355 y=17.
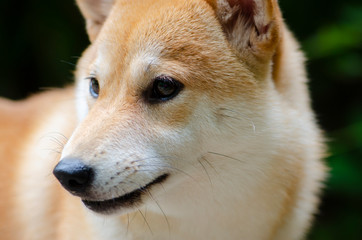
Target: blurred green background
x=41 y=40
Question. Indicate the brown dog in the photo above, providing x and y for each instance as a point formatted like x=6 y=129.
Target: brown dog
x=190 y=119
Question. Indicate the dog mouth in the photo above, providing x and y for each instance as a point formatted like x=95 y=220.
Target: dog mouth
x=125 y=201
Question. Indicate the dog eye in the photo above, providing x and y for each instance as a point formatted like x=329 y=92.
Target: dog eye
x=94 y=87
x=163 y=89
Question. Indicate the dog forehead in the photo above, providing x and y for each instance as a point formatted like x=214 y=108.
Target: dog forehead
x=137 y=28
x=140 y=33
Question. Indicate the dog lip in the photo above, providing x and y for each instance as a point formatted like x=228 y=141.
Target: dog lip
x=127 y=200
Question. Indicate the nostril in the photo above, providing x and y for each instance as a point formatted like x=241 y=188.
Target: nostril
x=78 y=178
x=74 y=184
x=74 y=175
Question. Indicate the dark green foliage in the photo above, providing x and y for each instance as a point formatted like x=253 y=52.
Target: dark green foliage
x=41 y=39
x=331 y=36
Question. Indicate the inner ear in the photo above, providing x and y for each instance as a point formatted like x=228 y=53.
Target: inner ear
x=250 y=23
x=95 y=13
x=235 y=10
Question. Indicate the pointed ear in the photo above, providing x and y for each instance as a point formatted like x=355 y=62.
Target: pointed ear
x=95 y=13
x=251 y=26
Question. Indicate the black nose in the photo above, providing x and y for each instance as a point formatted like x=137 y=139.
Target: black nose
x=74 y=175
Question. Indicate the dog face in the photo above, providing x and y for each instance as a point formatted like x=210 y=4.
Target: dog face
x=163 y=85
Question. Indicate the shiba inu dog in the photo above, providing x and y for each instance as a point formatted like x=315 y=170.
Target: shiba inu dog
x=190 y=119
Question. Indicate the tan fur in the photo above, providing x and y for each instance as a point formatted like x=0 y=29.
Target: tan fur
x=239 y=141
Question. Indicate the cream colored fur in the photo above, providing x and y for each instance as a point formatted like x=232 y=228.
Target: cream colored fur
x=239 y=142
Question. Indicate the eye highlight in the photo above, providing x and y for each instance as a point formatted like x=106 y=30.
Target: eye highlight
x=162 y=89
x=93 y=87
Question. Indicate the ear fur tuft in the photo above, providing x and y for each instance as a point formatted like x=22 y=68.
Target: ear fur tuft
x=95 y=13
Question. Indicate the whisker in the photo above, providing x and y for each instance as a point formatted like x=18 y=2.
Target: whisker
x=56 y=141
x=53 y=138
x=147 y=158
x=157 y=203
x=208 y=162
x=127 y=224
x=207 y=173
x=237 y=118
x=168 y=223
x=69 y=63
x=223 y=155
x=165 y=166
x=51 y=150
x=59 y=134
x=145 y=221
x=133 y=217
x=145 y=207
x=163 y=187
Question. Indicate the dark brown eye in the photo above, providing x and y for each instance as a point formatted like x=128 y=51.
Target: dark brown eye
x=94 y=87
x=163 y=89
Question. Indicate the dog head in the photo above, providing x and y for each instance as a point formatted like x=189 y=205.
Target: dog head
x=164 y=85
